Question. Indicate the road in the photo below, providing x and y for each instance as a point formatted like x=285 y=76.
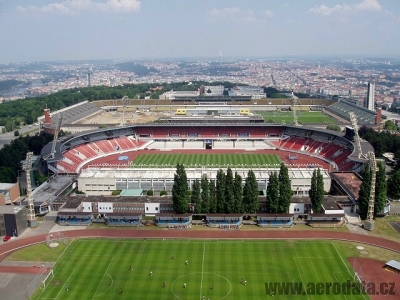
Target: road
x=6 y=138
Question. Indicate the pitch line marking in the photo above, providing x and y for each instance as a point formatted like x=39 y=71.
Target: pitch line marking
x=202 y=270
x=106 y=272
x=301 y=277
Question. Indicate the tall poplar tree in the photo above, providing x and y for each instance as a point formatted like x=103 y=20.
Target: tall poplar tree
x=380 y=188
x=317 y=192
x=238 y=194
x=213 y=196
x=180 y=201
x=364 y=193
x=285 y=190
x=205 y=195
x=229 y=196
x=273 y=193
x=250 y=194
x=195 y=197
x=220 y=191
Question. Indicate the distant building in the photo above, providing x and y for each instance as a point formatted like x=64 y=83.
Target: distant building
x=370 y=101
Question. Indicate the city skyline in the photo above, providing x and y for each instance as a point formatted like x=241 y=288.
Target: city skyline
x=50 y=30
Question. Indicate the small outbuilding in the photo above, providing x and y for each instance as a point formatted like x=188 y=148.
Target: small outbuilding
x=225 y=221
x=393 y=265
x=174 y=221
x=275 y=220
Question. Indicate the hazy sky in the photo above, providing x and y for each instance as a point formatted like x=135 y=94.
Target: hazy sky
x=43 y=30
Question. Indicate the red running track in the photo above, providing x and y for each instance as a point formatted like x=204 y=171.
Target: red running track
x=10 y=246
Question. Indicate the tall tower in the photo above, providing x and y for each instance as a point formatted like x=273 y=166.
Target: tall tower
x=220 y=56
x=370 y=96
x=77 y=77
x=88 y=79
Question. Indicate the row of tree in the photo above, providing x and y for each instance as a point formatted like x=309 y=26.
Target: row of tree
x=381 y=141
x=279 y=192
x=223 y=195
x=226 y=195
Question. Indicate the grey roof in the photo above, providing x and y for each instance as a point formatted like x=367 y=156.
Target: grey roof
x=393 y=264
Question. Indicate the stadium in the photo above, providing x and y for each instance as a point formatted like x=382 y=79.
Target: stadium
x=195 y=264
x=133 y=158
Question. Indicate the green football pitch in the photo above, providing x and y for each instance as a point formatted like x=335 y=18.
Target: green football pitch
x=208 y=160
x=304 y=117
x=191 y=269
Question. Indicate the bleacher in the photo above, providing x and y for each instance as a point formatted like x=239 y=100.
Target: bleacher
x=73 y=158
x=74 y=218
x=74 y=113
x=342 y=109
x=274 y=220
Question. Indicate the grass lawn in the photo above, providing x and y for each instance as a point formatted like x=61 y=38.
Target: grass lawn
x=207 y=160
x=384 y=227
x=304 y=117
x=99 y=269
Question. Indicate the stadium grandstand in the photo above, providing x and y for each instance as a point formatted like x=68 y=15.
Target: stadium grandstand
x=364 y=115
x=80 y=150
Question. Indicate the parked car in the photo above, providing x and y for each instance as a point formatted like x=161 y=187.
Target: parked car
x=6 y=238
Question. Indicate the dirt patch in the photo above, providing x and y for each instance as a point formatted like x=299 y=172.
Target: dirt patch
x=386 y=283
x=24 y=269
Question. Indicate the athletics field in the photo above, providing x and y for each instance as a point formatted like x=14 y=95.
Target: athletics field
x=193 y=269
x=169 y=160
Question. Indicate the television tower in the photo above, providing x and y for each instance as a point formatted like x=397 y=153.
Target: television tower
x=89 y=74
x=77 y=77
x=220 y=56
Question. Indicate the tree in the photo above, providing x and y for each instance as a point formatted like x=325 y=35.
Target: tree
x=389 y=125
x=250 y=194
x=364 y=193
x=213 y=199
x=229 y=195
x=285 y=190
x=380 y=188
x=220 y=191
x=238 y=194
x=195 y=198
x=317 y=191
x=205 y=195
x=180 y=190
x=273 y=193
x=393 y=185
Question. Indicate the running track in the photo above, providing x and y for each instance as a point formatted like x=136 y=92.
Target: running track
x=11 y=246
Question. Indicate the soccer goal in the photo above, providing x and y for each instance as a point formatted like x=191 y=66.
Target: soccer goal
x=47 y=279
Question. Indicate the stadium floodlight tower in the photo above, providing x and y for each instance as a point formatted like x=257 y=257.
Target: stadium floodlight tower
x=294 y=100
x=125 y=100
x=53 y=145
x=369 y=223
x=357 y=139
x=27 y=166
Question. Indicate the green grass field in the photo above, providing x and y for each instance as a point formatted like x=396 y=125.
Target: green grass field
x=99 y=269
x=304 y=117
x=206 y=160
